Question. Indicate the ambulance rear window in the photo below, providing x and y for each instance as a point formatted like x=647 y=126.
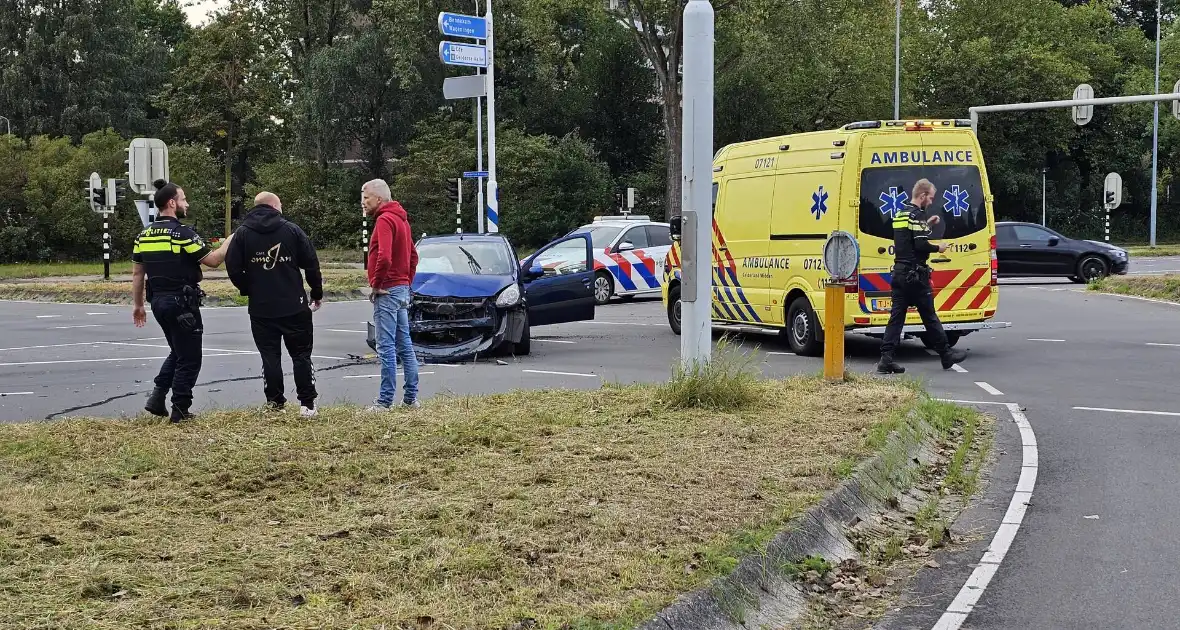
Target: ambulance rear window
x=958 y=201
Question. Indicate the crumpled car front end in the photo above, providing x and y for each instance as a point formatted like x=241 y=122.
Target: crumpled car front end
x=450 y=329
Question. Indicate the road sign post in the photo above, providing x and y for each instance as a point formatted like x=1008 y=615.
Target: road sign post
x=841 y=259
x=470 y=55
x=459 y=25
x=696 y=340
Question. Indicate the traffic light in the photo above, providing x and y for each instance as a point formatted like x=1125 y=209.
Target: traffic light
x=115 y=192
x=98 y=198
x=453 y=189
x=619 y=201
x=1109 y=198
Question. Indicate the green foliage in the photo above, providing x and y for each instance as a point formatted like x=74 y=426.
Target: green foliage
x=727 y=382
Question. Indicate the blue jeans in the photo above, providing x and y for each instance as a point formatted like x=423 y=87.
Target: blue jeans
x=391 y=319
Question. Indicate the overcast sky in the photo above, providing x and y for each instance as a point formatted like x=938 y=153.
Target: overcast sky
x=200 y=9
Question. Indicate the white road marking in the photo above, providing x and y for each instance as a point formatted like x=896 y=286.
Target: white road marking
x=606 y=323
x=379 y=376
x=47 y=316
x=2 y=394
x=783 y=354
x=559 y=373
x=66 y=361
x=96 y=313
x=1052 y=340
x=1135 y=297
x=56 y=345
x=341 y=330
x=958 y=368
x=1130 y=411
x=1165 y=345
x=555 y=341
x=77 y=326
x=989 y=389
x=956 y=614
x=317 y=356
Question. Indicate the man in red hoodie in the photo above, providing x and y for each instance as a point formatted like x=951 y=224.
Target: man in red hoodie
x=392 y=262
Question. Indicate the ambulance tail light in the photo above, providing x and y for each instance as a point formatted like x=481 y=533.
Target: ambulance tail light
x=860 y=320
x=995 y=262
x=989 y=314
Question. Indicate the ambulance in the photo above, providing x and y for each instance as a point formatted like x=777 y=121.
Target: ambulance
x=776 y=201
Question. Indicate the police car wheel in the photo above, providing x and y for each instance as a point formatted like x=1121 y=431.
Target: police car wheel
x=802 y=329
x=674 y=309
x=604 y=287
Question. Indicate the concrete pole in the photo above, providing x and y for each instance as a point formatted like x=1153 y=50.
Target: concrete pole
x=1155 y=129
x=897 y=66
x=493 y=200
x=696 y=341
x=480 y=208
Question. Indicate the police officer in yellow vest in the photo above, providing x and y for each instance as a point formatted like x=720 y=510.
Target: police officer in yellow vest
x=168 y=257
x=910 y=285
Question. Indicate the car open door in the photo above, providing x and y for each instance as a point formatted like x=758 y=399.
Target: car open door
x=560 y=292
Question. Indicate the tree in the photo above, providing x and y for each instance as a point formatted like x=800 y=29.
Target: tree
x=228 y=94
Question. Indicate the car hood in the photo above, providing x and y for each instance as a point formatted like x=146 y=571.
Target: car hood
x=1106 y=246
x=459 y=285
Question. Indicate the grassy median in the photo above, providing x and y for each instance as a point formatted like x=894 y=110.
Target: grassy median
x=555 y=509
x=329 y=258
x=339 y=284
x=1143 y=251
x=1165 y=287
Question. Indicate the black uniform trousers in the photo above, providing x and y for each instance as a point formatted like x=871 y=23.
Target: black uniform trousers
x=180 y=319
x=910 y=286
x=270 y=333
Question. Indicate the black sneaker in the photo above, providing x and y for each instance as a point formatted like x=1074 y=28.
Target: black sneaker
x=888 y=366
x=952 y=357
x=180 y=415
x=274 y=407
x=155 y=404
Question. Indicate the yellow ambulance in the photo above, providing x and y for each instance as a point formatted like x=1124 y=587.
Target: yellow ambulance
x=776 y=201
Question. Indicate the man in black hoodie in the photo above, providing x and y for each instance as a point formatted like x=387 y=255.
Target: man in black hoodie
x=263 y=261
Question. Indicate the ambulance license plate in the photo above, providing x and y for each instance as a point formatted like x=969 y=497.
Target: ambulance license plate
x=882 y=304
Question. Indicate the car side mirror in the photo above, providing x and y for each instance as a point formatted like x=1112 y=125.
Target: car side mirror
x=625 y=246
x=1054 y=241
x=534 y=272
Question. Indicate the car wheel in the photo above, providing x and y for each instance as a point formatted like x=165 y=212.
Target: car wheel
x=523 y=347
x=674 y=308
x=604 y=287
x=1092 y=268
x=803 y=329
x=952 y=338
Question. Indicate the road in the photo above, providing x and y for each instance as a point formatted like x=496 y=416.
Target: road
x=1094 y=373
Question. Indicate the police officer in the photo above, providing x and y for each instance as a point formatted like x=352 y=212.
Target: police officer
x=170 y=255
x=911 y=280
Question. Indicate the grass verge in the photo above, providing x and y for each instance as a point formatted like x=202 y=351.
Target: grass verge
x=24 y=271
x=339 y=284
x=1166 y=287
x=527 y=509
x=1143 y=251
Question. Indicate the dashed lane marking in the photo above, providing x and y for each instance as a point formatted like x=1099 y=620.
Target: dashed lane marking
x=48 y=316
x=958 y=368
x=1141 y=412
x=77 y=326
x=1165 y=345
x=559 y=373
x=379 y=376
x=1049 y=340
x=341 y=330
x=556 y=341
x=988 y=388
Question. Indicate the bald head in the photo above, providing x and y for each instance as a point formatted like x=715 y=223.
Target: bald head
x=374 y=193
x=268 y=199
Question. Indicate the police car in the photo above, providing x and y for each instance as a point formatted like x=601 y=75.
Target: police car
x=629 y=255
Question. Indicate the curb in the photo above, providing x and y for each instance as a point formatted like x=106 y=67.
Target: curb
x=759 y=593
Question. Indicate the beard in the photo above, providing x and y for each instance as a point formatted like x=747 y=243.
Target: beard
x=181 y=214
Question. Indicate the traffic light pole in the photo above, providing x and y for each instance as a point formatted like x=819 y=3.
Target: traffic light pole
x=106 y=246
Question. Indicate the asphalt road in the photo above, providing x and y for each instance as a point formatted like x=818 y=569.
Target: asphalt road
x=1096 y=375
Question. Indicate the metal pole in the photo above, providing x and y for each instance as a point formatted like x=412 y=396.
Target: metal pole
x=480 y=208
x=1155 y=129
x=897 y=66
x=1024 y=107
x=106 y=246
x=364 y=240
x=696 y=341
x=1044 y=197
x=459 y=207
x=493 y=200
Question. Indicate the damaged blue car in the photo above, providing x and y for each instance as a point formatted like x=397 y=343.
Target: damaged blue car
x=470 y=297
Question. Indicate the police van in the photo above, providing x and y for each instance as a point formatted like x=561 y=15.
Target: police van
x=776 y=201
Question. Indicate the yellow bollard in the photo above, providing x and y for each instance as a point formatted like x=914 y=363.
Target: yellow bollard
x=834 y=332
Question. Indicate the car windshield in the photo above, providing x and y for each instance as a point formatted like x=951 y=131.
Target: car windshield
x=601 y=236
x=486 y=258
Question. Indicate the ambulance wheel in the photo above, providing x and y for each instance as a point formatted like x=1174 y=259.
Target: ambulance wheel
x=803 y=329
x=604 y=287
x=952 y=337
x=674 y=308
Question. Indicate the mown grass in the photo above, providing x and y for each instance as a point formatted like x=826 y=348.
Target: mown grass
x=527 y=509
x=1165 y=287
x=22 y=271
x=339 y=284
x=1143 y=251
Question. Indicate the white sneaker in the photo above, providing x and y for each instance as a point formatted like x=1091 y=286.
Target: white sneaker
x=308 y=413
x=412 y=405
x=377 y=409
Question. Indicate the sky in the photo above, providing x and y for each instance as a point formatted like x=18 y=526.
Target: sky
x=198 y=10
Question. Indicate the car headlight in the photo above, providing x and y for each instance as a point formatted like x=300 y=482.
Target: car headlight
x=1118 y=253
x=509 y=296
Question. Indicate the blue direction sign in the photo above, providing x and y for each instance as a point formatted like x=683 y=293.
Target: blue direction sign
x=459 y=25
x=470 y=55
x=475 y=174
